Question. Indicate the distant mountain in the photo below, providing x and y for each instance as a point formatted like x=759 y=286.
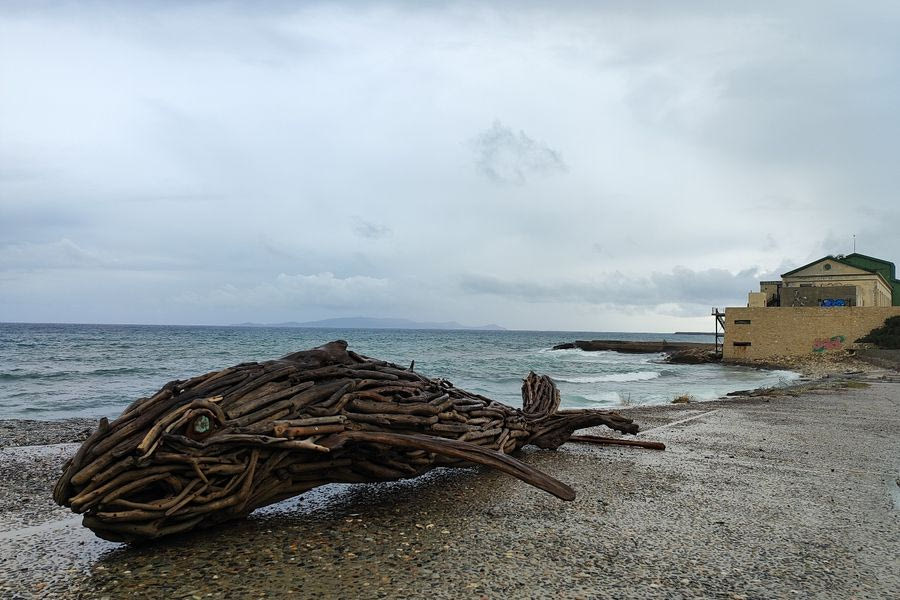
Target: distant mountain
x=373 y=323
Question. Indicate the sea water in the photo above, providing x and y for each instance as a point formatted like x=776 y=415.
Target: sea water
x=50 y=371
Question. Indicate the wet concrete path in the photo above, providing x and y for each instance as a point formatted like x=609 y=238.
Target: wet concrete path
x=754 y=498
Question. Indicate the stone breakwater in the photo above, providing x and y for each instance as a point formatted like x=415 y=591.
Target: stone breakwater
x=689 y=353
x=629 y=347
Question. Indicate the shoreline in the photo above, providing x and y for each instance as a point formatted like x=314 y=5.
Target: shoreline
x=16 y=431
x=725 y=510
x=753 y=468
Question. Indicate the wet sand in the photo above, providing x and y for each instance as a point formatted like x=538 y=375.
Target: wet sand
x=794 y=495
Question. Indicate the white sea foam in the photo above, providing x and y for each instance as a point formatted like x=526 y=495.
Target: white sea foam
x=616 y=377
x=603 y=357
x=603 y=398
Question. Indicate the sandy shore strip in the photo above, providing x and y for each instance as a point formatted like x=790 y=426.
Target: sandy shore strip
x=792 y=494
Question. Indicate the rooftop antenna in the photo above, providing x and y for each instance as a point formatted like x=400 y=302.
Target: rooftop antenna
x=854 y=243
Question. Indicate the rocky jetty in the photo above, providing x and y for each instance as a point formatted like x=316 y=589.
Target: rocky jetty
x=688 y=353
x=632 y=347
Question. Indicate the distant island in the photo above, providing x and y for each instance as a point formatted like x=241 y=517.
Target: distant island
x=693 y=333
x=373 y=323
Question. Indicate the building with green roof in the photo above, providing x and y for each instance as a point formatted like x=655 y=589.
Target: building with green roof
x=876 y=265
x=852 y=280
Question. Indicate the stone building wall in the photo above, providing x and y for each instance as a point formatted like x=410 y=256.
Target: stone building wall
x=760 y=333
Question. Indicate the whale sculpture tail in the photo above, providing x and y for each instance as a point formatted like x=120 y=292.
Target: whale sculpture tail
x=552 y=427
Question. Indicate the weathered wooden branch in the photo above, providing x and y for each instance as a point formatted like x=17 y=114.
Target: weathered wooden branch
x=219 y=445
x=596 y=439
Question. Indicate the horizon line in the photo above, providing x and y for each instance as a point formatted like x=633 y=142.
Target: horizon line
x=260 y=326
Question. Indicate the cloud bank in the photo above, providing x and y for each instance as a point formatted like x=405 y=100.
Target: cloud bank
x=612 y=166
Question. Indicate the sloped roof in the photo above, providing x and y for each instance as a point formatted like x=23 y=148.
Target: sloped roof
x=829 y=257
x=883 y=267
x=885 y=270
x=859 y=260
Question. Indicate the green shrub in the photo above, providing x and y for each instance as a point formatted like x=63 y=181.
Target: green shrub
x=887 y=336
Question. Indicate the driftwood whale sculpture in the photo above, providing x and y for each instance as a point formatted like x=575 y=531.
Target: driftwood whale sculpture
x=217 y=446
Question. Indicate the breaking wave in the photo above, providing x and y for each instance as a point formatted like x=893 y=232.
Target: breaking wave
x=615 y=377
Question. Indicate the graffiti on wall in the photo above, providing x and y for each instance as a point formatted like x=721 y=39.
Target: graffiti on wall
x=827 y=296
x=799 y=300
x=833 y=343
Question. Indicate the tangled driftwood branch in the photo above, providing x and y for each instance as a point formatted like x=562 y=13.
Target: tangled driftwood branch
x=217 y=446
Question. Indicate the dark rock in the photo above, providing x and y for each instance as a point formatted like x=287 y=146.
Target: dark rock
x=633 y=347
x=693 y=356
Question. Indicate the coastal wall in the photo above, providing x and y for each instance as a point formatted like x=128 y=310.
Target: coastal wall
x=761 y=333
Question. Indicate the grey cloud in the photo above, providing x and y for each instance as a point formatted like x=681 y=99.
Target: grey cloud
x=709 y=286
x=65 y=254
x=298 y=291
x=39 y=219
x=835 y=244
x=681 y=286
x=59 y=254
x=10 y=173
x=504 y=156
x=370 y=230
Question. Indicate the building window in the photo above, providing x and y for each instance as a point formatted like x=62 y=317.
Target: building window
x=740 y=344
x=742 y=321
x=827 y=266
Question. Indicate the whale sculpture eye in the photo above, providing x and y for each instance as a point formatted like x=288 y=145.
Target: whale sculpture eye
x=200 y=426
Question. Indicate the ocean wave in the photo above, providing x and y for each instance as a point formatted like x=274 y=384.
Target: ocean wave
x=25 y=375
x=33 y=375
x=615 y=377
x=607 y=399
x=577 y=355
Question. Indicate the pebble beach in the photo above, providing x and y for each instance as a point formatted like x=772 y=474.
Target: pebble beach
x=791 y=493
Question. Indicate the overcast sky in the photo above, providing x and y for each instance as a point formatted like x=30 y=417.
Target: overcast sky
x=585 y=166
